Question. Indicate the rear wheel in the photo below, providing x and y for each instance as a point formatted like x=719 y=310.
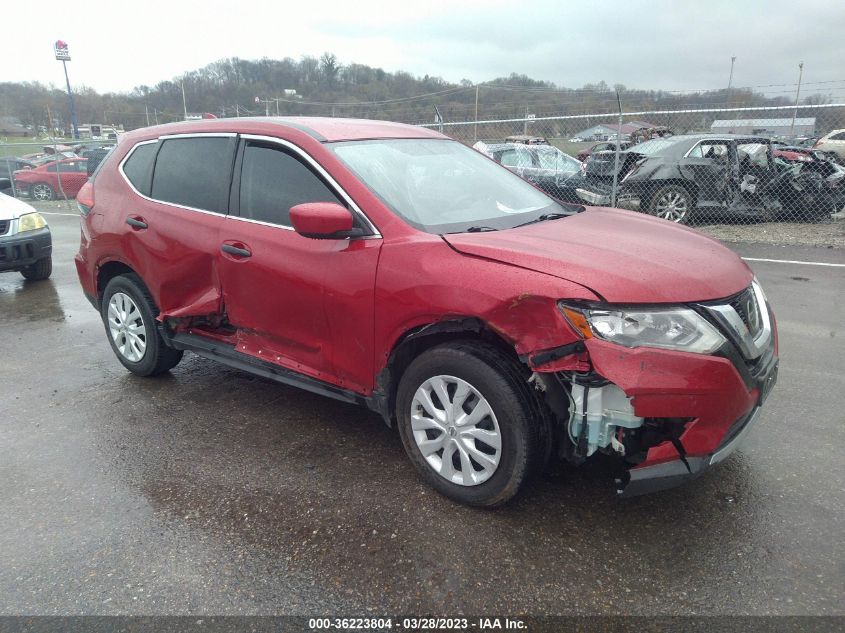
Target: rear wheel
x=468 y=423
x=129 y=314
x=673 y=203
x=39 y=270
x=42 y=191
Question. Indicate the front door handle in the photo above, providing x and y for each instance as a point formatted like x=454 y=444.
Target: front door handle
x=136 y=223
x=234 y=250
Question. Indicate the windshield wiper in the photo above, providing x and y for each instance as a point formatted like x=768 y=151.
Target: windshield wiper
x=480 y=229
x=544 y=217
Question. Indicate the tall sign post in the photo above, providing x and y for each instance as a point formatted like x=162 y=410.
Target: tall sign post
x=63 y=55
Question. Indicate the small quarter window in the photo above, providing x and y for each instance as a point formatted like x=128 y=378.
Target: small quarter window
x=139 y=167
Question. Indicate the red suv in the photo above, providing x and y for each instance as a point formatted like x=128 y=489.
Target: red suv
x=387 y=265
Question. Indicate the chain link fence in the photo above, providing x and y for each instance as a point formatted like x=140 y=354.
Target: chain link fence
x=52 y=169
x=696 y=167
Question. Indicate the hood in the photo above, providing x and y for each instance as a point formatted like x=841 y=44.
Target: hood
x=12 y=208
x=623 y=256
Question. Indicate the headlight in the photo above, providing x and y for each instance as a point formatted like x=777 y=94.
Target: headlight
x=668 y=328
x=30 y=222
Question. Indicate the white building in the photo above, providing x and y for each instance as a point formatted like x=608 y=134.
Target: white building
x=765 y=127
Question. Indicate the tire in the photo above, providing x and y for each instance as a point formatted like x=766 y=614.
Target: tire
x=42 y=191
x=131 y=327
x=486 y=373
x=41 y=269
x=673 y=203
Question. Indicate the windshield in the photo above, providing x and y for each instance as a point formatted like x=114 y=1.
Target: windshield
x=654 y=146
x=442 y=186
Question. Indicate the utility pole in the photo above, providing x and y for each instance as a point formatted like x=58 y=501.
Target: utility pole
x=730 y=79
x=616 y=153
x=50 y=127
x=476 y=112
x=147 y=114
x=184 y=102
x=797 y=94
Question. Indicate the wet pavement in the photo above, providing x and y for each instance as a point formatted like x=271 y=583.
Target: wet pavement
x=211 y=491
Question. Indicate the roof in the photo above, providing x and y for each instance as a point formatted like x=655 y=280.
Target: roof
x=761 y=122
x=326 y=129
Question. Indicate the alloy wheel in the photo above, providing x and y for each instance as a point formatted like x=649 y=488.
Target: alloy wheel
x=127 y=327
x=456 y=431
x=672 y=206
x=42 y=192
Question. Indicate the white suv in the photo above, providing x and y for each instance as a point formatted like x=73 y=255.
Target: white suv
x=26 y=245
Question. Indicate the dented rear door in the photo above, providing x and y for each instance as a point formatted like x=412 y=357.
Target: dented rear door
x=170 y=226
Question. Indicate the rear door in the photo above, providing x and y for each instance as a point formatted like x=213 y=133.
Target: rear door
x=170 y=226
x=302 y=303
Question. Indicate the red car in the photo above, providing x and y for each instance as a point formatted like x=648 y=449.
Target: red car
x=63 y=178
x=390 y=266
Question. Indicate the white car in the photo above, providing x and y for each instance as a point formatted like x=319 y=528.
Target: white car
x=26 y=245
x=832 y=142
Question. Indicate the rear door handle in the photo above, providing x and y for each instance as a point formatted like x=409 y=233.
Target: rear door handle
x=136 y=223
x=234 y=250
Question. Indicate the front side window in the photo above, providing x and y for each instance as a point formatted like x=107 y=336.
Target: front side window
x=442 y=186
x=273 y=181
x=194 y=172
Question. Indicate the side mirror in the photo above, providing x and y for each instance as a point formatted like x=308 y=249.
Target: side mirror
x=323 y=221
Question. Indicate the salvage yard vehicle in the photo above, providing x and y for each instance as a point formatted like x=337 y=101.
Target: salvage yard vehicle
x=26 y=245
x=679 y=177
x=390 y=266
x=833 y=141
x=556 y=173
x=63 y=178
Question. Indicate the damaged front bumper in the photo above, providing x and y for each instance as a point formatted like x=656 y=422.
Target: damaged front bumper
x=646 y=479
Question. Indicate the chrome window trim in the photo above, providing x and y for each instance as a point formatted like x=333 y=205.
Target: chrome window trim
x=256 y=137
x=333 y=184
x=165 y=137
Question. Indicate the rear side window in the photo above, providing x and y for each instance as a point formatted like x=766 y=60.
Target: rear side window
x=139 y=167
x=273 y=181
x=194 y=172
x=838 y=137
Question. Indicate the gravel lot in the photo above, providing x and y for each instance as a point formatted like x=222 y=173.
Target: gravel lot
x=829 y=234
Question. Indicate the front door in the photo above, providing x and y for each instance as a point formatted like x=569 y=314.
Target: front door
x=305 y=304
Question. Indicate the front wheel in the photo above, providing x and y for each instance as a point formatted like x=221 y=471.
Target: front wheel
x=673 y=203
x=129 y=313
x=42 y=191
x=41 y=269
x=468 y=422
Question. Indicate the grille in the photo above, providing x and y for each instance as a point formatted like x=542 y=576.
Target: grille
x=745 y=305
x=4 y=226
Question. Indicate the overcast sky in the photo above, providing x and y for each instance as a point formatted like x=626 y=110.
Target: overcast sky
x=673 y=45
